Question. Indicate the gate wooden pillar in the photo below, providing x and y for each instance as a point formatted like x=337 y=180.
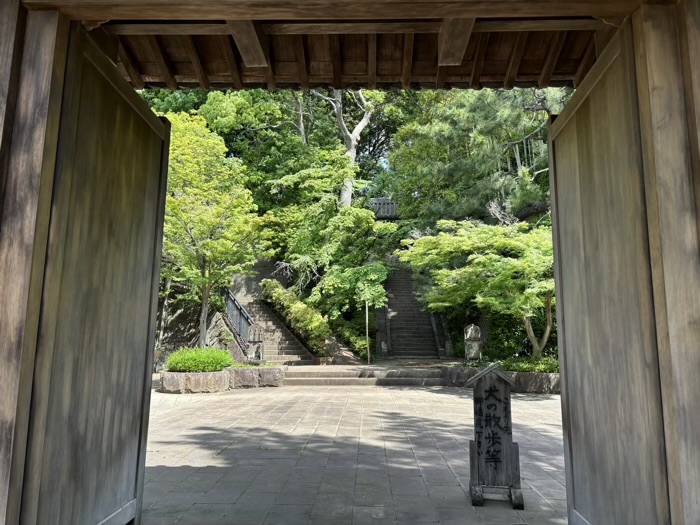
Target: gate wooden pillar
x=83 y=165
x=624 y=188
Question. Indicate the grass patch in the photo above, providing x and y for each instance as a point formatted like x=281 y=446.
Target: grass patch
x=519 y=364
x=198 y=360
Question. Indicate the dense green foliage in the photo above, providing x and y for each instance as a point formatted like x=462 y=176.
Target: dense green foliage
x=210 y=220
x=309 y=324
x=469 y=151
x=507 y=270
x=262 y=174
x=198 y=360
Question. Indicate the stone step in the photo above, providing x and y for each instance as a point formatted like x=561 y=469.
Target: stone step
x=287 y=352
x=362 y=381
x=272 y=358
x=418 y=356
x=333 y=372
x=425 y=349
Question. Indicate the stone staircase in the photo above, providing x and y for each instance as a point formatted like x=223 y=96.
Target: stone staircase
x=280 y=346
x=364 y=376
x=410 y=328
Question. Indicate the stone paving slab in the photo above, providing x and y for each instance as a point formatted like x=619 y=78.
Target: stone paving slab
x=340 y=456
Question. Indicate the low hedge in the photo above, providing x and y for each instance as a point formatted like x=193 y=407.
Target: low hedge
x=198 y=360
x=519 y=364
x=309 y=324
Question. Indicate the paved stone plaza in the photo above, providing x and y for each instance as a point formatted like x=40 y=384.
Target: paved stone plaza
x=340 y=455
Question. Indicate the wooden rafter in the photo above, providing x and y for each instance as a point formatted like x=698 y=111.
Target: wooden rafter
x=339 y=9
x=251 y=42
x=270 y=72
x=130 y=66
x=162 y=63
x=360 y=28
x=407 y=66
x=453 y=40
x=301 y=61
x=478 y=66
x=372 y=61
x=586 y=63
x=516 y=57
x=334 y=41
x=234 y=71
x=550 y=61
x=441 y=77
x=196 y=63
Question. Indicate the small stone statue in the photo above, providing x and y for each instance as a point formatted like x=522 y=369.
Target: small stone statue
x=472 y=342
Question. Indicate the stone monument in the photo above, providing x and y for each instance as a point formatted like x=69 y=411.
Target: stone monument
x=472 y=342
x=494 y=458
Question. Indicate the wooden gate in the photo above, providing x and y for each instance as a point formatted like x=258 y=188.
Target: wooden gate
x=627 y=281
x=87 y=414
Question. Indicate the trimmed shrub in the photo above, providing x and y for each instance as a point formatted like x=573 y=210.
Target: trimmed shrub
x=306 y=322
x=198 y=360
x=519 y=364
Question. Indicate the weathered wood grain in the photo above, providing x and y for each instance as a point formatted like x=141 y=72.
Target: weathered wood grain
x=234 y=72
x=606 y=303
x=197 y=63
x=516 y=57
x=674 y=248
x=23 y=233
x=12 y=20
x=251 y=42
x=96 y=287
x=407 y=67
x=453 y=40
x=359 y=28
x=550 y=61
x=337 y=53
x=332 y=9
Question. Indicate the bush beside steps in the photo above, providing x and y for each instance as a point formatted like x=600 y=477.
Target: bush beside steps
x=207 y=370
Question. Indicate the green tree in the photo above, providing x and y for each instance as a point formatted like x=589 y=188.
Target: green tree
x=210 y=220
x=182 y=100
x=473 y=154
x=504 y=269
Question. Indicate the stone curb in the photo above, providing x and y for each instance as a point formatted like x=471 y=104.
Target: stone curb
x=228 y=379
x=525 y=382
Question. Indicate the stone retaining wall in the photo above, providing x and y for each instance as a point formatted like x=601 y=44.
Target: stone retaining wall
x=525 y=382
x=209 y=382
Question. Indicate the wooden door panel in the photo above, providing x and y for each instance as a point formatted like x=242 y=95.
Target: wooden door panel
x=614 y=440
x=92 y=379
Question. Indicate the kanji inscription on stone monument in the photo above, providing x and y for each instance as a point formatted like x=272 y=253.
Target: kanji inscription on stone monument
x=494 y=458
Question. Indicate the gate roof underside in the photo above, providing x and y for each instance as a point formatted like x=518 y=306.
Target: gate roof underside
x=383 y=44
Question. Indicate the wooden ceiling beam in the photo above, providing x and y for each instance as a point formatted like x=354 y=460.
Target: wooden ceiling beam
x=130 y=66
x=516 y=57
x=441 y=77
x=586 y=63
x=162 y=63
x=330 y=10
x=234 y=71
x=550 y=61
x=301 y=61
x=407 y=60
x=372 y=61
x=358 y=28
x=334 y=41
x=196 y=63
x=478 y=66
x=251 y=42
x=270 y=75
x=453 y=39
